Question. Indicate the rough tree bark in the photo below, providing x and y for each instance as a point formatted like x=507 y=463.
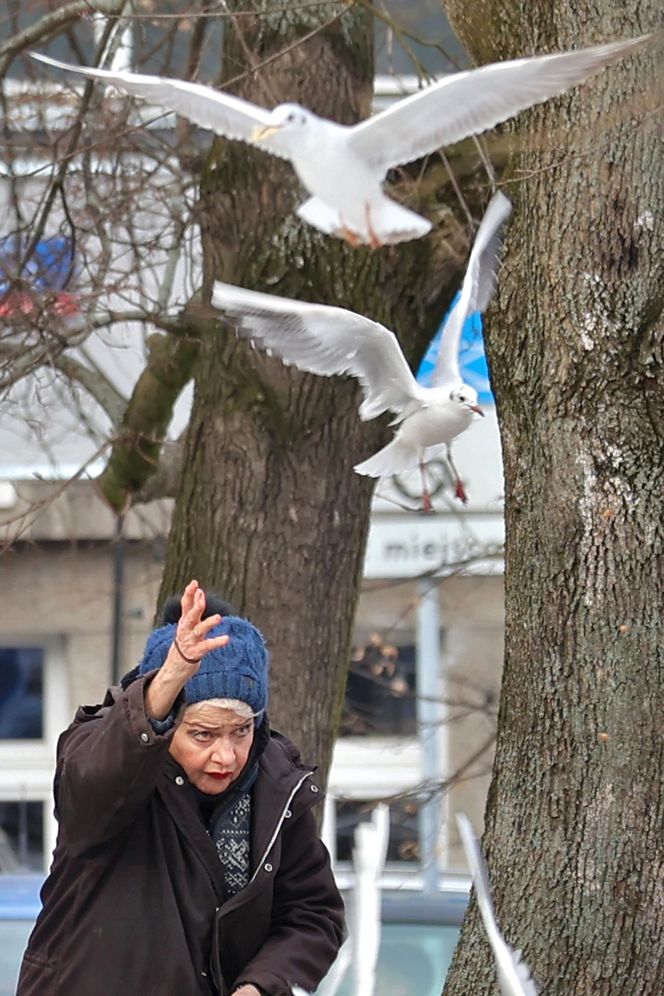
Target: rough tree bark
x=269 y=510
x=576 y=345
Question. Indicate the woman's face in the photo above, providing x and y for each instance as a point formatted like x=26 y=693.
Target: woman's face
x=212 y=744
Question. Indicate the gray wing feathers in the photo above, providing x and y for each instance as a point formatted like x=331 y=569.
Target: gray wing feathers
x=220 y=112
x=513 y=973
x=325 y=341
x=487 y=245
x=478 y=287
x=478 y=869
x=471 y=102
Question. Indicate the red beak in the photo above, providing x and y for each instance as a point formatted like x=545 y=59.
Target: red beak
x=476 y=408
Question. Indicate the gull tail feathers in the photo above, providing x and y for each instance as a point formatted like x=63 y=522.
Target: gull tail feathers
x=388 y=223
x=319 y=214
x=394 y=458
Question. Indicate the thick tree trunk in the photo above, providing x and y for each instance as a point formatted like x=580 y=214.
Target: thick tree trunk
x=576 y=807
x=269 y=510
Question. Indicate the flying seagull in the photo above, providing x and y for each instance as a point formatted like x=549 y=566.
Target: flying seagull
x=514 y=977
x=342 y=167
x=327 y=340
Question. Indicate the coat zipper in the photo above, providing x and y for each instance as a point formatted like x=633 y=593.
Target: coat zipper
x=274 y=836
x=216 y=963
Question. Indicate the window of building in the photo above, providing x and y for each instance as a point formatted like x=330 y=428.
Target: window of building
x=21 y=693
x=409 y=37
x=380 y=691
x=403 y=843
x=22 y=835
x=34 y=709
x=416 y=36
x=17 y=17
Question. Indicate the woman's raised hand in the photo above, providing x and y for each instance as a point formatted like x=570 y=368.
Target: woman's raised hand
x=189 y=646
x=190 y=641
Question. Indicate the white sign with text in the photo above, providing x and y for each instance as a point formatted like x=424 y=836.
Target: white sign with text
x=404 y=546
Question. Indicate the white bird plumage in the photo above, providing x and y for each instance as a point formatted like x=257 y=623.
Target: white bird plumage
x=326 y=340
x=369 y=854
x=343 y=167
x=514 y=975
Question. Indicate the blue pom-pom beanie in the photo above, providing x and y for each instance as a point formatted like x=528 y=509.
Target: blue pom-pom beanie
x=238 y=670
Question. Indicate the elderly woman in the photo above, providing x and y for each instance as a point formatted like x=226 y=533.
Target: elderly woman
x=188 y=860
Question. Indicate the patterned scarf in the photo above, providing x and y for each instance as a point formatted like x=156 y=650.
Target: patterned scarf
x=229 y=826
x=228 y=820
x=231 y=835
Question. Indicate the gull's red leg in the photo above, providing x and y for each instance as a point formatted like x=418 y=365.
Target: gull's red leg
x=374 y=239
x=459 y=490
x=427 y=505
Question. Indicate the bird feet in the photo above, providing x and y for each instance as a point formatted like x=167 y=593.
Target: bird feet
x=427 y=504
x=350 y=237
x=374 y=239
x=460 y=491
x=354 y=239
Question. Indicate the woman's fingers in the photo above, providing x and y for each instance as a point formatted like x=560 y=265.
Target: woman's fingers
x=188 y=597
x=214 y=643
x=192 y=632
x=196 y=606
x=203 y=626
x=192 y=629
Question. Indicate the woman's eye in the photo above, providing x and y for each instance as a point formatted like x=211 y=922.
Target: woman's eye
x=201 y=735
x=243 y=731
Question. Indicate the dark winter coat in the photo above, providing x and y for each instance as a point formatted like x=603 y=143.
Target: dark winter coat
x=134 y=902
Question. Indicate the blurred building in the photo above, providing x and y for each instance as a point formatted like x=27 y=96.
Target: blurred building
x=61 y=642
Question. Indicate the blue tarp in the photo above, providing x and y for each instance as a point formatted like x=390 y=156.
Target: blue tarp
x=47 y=270
x=472 y=358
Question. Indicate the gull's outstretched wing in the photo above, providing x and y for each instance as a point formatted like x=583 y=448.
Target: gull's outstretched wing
x=470 y=102
x=222 y=113
x=477 y=290
x=513 y=974
x=325 y=341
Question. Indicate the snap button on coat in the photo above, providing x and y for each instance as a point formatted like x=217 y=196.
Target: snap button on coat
x=179 y=780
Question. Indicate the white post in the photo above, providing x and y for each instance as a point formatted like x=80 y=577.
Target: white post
x=429 y=716
x=369 y=854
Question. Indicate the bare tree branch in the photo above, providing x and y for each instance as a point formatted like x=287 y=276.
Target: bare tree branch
x=96 y=384
x=51 y=25
x=135 y=454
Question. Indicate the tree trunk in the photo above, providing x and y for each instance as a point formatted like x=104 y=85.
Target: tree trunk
x=269 y=509
x=576 y=806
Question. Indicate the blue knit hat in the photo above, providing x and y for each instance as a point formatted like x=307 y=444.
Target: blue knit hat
x=236 y=671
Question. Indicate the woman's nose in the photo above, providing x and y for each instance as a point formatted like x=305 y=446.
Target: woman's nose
x=224 y=753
